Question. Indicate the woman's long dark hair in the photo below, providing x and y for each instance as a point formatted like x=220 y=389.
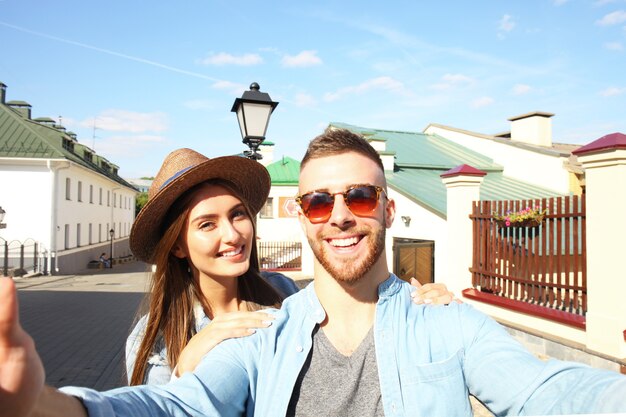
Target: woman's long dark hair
x=173 y=291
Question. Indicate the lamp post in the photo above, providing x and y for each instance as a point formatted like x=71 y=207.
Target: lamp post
x=112 y=234
x=253 y=114
x=2 y=213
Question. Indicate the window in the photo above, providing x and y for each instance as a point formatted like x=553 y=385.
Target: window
x=99 y=232
x=114 y=200
x=78 y=235
x=80 y=191
x=267 y=211
x=90 y=233
x=68 y=189
x=90 y=194
x=100 y=195
x=108 y=198
x=107 y=232
x=67 y=237
x=68 y=144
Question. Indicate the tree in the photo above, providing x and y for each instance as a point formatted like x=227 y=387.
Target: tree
x=140 y=201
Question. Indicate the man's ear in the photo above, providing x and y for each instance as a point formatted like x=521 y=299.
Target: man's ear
x=390 y=212
x=302 y=220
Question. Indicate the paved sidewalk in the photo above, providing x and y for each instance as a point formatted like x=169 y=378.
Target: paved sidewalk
x=80 y=322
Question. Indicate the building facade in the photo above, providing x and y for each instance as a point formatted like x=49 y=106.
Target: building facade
x=59 y=193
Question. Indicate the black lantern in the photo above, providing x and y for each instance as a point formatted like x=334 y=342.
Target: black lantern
x=2 y=213
x=253 y=114
x=112 y=234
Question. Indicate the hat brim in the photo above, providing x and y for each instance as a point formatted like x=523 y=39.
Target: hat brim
x=249 y=178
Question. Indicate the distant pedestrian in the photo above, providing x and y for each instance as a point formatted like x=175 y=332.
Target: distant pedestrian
x=105 y=260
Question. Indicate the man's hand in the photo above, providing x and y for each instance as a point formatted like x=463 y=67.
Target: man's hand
x=21 y=372
x=432 y=293
x=222 y=327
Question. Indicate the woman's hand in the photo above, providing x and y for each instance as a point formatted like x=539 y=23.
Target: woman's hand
x=21 y=372
x=222 y=327
x=432 y=293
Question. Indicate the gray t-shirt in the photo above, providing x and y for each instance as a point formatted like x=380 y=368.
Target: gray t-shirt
x=331 y=384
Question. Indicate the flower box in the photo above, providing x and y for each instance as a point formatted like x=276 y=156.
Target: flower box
x=527 y=217
x=521 y=223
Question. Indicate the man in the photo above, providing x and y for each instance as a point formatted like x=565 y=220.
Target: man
x=351 y=343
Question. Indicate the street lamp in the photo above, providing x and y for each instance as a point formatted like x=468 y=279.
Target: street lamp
x=111 y=233
x=253 y=114
x=2 y=213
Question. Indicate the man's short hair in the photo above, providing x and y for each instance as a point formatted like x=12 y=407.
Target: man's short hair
x=338 y=141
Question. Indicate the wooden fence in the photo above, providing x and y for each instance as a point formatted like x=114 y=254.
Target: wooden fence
x=541 y=267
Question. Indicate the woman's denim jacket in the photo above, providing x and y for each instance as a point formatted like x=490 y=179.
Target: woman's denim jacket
x=159 y=371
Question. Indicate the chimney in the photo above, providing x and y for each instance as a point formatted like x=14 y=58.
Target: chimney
x=21 y=107
x=3 y=92
x=532 y=128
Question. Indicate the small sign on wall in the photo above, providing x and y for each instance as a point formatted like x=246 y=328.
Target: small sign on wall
x=288 y=207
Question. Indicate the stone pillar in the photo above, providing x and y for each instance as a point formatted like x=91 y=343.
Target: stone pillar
x=463 y=187
x=604 y=162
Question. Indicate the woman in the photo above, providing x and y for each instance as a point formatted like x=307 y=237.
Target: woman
x=198 y=228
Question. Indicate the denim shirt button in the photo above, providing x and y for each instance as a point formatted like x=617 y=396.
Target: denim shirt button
x=299 y=348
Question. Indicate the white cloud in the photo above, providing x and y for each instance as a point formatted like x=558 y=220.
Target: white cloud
x=234 y=88
x=482 y=102
x=303 y=59
x=506 y=24
x=452 y=80
x=559 y=2
x=115 y=120
x=380 y=83
x=613 y=91
x=224 y=58
x=457 y=78
x=614 y=46
x=305 y=100
x=614 y=18
x=521 y=89
x=124 y=146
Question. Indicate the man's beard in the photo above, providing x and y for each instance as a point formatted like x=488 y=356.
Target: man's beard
x=351 y=270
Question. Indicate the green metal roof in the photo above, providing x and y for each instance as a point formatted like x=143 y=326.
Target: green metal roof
x=421 y=159
x=24 y=138
x=285 y=171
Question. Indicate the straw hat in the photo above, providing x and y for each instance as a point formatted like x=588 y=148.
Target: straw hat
x=181 y=170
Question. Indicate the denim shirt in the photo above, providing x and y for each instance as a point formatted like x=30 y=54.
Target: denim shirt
x=429 y=359
x=159 y=371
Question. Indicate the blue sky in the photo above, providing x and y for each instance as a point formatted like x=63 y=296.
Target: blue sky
x=159 y=75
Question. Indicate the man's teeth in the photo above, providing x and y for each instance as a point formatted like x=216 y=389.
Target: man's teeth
x=232 y=252
x=344 y=242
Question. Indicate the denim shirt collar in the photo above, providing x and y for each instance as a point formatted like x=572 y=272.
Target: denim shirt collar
x=315 y=310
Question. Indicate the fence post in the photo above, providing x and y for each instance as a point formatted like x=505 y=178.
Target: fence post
x=22 y=256
x=463 y=187
x=604 y=162
x=5 y=268
x=35 y=257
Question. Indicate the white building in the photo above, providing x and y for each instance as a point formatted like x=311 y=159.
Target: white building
x=59 y=193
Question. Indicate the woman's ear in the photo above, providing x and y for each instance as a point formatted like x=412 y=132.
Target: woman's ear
x=178 y=251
